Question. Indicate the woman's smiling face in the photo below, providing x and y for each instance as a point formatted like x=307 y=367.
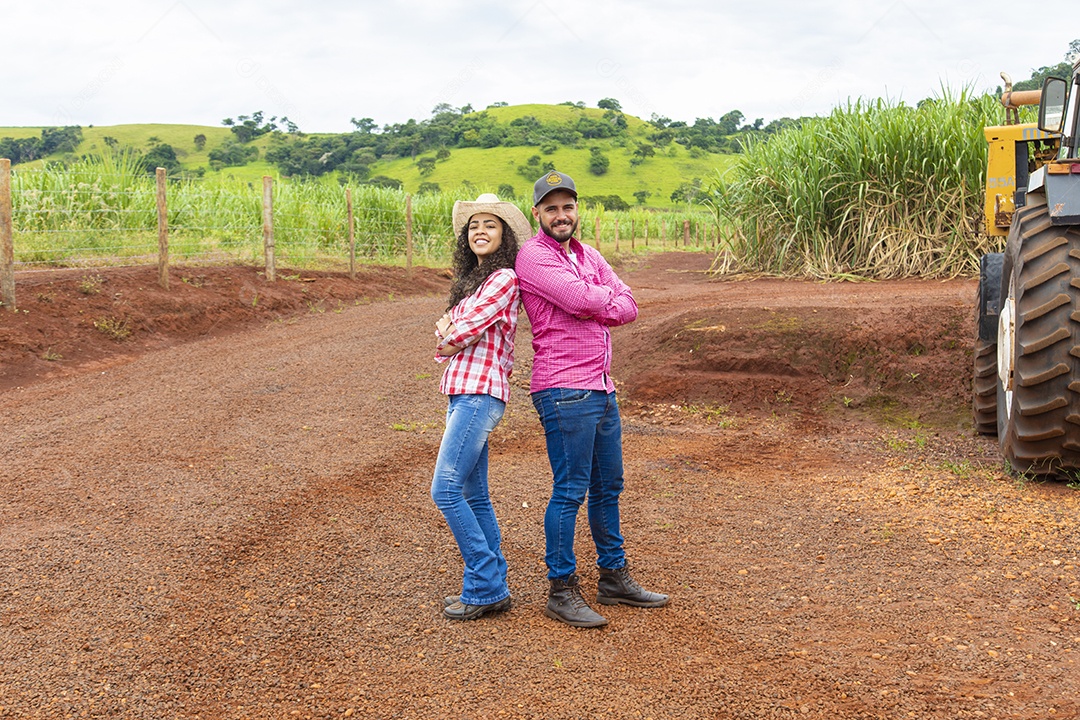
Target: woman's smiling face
x=485 y=234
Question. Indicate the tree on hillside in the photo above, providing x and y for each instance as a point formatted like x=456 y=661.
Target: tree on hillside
x=687 y=192
x=64 y=139
x=729 y=122
x=616 y=118
x=19 y=150
x=598 y=162
x=232 y=154
x=426 y=166
x=247 y=128
x=200 y=141
x=642 y=151
x=384 y=181
x=163 y=156
x=609 y=104
x=364 y=125
x=610 y=202
x=533 y=168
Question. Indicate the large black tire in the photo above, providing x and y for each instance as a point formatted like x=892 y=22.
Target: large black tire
x=984 y=395
x=1039 y=421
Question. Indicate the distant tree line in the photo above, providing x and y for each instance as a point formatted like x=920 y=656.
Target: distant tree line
x=52 y=140
x=1062 y=70
x=450 y=128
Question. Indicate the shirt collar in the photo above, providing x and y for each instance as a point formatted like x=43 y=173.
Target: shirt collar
x=543 y=236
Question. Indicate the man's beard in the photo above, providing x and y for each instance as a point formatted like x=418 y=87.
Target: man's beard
x=564 y=232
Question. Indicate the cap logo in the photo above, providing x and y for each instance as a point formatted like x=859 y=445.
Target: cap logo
x=554 y=179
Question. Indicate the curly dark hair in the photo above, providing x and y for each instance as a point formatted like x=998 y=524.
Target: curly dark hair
x=469 y=273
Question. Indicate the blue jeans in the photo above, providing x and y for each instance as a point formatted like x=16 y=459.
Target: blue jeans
x=584 y=445
x=460 y=491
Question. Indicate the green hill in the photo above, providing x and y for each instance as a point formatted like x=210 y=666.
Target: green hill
x=659 y=175
x=486 y=168
x=558 y=113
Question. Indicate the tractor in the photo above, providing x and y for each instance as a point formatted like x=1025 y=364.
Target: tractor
x=1027 y=347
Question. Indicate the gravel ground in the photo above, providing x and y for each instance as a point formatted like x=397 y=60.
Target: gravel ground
x=231 y=519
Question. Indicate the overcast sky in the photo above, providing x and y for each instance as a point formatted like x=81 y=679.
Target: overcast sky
x=322 y=62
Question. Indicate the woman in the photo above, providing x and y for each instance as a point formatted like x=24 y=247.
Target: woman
x=476 y=341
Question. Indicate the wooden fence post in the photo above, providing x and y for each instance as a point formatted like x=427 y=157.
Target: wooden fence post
x=352 y=234
x=685 y=233
x=7 y=239
x=633 y=228
x=162 y=230
x=616 y=234
x=408 y=235
x=596 y=240
x=268 y=226
x=663 y=234
x=646 y=232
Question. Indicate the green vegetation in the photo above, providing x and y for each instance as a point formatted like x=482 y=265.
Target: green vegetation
x=620 y=156
x=90 y=285
x=113 y=328
x=875 y=189
x=103 y=208
x=26 y=147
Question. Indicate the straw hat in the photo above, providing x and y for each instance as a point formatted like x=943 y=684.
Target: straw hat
x=490 y=203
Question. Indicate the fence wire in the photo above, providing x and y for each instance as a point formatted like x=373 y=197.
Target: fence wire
x=82 y=219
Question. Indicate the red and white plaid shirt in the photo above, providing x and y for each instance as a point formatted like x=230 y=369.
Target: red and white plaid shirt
x=571 y=304
x=485 y=323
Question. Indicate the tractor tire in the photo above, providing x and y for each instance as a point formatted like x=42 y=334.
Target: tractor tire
x=984 y=396
x=1038 y=402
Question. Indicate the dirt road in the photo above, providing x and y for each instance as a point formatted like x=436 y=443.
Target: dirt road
x=237 y=524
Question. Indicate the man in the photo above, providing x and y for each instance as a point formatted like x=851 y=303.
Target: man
x=573 y=298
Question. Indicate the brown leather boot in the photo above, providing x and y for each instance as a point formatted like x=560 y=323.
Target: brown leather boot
x=616 y=586
x=566 y=604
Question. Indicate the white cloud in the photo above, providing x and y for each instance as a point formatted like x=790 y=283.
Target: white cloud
x=324 y=62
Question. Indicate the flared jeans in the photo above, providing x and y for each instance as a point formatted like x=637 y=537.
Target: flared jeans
x=460 y=491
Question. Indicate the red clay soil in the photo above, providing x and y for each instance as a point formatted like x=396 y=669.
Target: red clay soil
x=225 y=514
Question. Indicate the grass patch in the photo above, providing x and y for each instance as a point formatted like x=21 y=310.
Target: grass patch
x=713 y=414
x=90 y=284
x=114 y=328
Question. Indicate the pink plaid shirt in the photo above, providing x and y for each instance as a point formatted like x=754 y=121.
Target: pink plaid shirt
x=485 y=324
x=571 y=305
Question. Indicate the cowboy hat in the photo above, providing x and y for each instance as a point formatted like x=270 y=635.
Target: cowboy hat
x=490 y=203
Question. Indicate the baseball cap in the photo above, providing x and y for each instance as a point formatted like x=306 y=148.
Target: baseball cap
x=553 y=180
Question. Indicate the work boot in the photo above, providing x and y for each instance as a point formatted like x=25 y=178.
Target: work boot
x=461 y=611
x=566 y=604
x=616 y=586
